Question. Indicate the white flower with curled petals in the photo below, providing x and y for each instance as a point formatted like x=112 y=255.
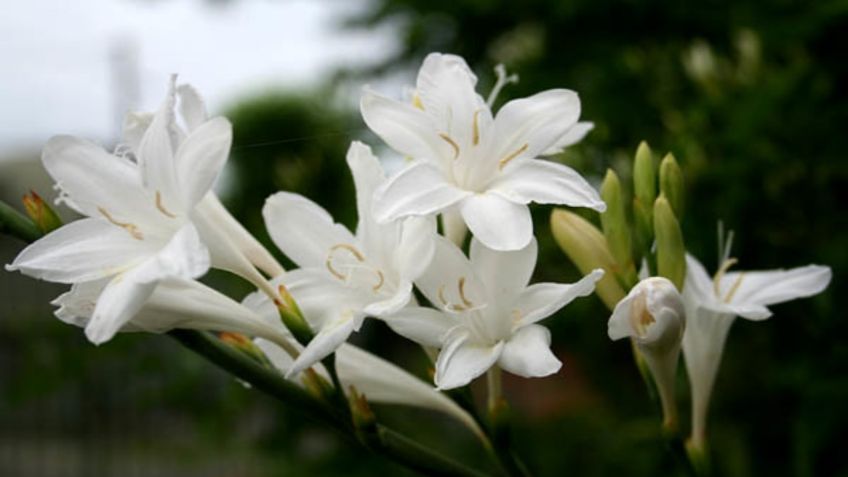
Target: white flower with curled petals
x=139 y=229
x=345 y=277
x=712 y=304
x=486 y=312
x=652 y=314
x=469 y=161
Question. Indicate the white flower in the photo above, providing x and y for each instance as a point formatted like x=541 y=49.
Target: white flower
x=231 y=246
x=468 y=160
x=712 y=304
x=174 y=303
x=486 y=312
x=139 y=229
x=653 y=315
x=344 y=277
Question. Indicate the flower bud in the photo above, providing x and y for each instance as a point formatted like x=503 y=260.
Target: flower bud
x=587 y=248
x=652 y=314
x=245 y=345
x=644 y=193
x=364 y=421
x=671 y=184
x=292 y=317
x=44 y=217
x=671 y=254
x=616 y=229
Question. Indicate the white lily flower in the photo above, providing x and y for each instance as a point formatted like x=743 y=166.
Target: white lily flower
x=139 y=229
x=466 y=160
x=712 y=304
x=653 y=315
x=174 y=303
x=232 y=247
x=486 y=312
x=345 y=277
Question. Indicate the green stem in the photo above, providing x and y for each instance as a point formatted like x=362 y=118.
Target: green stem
x=493 y=381
x=16 y=224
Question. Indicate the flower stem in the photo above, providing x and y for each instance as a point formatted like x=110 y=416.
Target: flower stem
x=493 y=381
x=17 y=225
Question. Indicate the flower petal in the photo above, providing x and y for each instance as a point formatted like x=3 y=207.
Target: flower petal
x=321 y=297
x=420 y=189
x=403 y=127
x=461 y=361
x=120 y=301
x=200 y=159
x=330 y=337
x=620 y=324
x=540 y=300
x=92 y=180
x=135 y=124
x=302 y=229
x=572 y=137
x=192 y=107
x=425 y=326
x=80 y=251
x=699 y=285
x=777 y=286
x=532 y=125
x=450 y=280
x=505 y=274
x=417 y=246
x=496 y=222
x=155 y=153
x=547 y=182
x=528 y=353
x=393 y=303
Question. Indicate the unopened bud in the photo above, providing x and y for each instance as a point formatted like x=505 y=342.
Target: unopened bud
x=586 y=246
x=316 y=384
x=616 y=229
x=671 y=184
x=245 y=345
x=363 y=417
x=292 y=317
x=652 y=314
x=671 y=254
x=644 y=193
x=44 y=217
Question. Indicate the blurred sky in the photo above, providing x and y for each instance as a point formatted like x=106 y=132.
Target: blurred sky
x=58 y=76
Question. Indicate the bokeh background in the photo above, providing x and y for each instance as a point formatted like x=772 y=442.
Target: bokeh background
x=750 y=95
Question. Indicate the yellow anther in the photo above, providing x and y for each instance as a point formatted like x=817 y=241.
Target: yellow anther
x=416 y=101
x=381 y=278
x=453 y=144
x=725 y=266
x=640 y=317
x=734 y=288
x=162 y=207
x=461 y=288
x=129 y=227
x=503 y=162
x=475 y=133
x=342 y=246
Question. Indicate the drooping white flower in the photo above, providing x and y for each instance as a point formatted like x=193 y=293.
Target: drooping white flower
x=468 y=161
x=345 y=277
x=139 y=228
x=232 y=247
x=653 y=315
x=712 y=304
x=486 y=312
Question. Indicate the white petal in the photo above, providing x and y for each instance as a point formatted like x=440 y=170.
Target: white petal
x=92 y=179
x=383 y=382
x=80 y=251
x=496 y=222
x=425 y=326
x=547 y=182
x=505 y=274
x=155 y=154
x=572 y=137
x=777 y=286
x=76 y=306
x=324 y=343
x=120 y=301
x=445 y=86
x=461 y=361
x=135 y=125
x=321 y=297
x=302 y=229
x=537 y=122
x=450 y=279
x=541 y=300
x=620 y=325
x=184 y=256
x=192 y=107
x=528 y=353
x=405 y=128
x=200 y=159
x=416 y=247
x=393 y=303
x=699 y=285
x=367 y=176
x=420 y=189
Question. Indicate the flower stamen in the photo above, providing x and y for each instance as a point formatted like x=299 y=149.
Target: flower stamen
x=161 y=207
x=722 y=270
x=342 y=246
x=503 y=162
x=129 y=227
x=475 y=132
x=453 y=144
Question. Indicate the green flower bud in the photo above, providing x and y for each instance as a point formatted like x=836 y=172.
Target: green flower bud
x=671 y=254
x=586 y=246
x=671 y=184
x=616 y=229
x=645 y=191
x=292 y=317
x=44 y=217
